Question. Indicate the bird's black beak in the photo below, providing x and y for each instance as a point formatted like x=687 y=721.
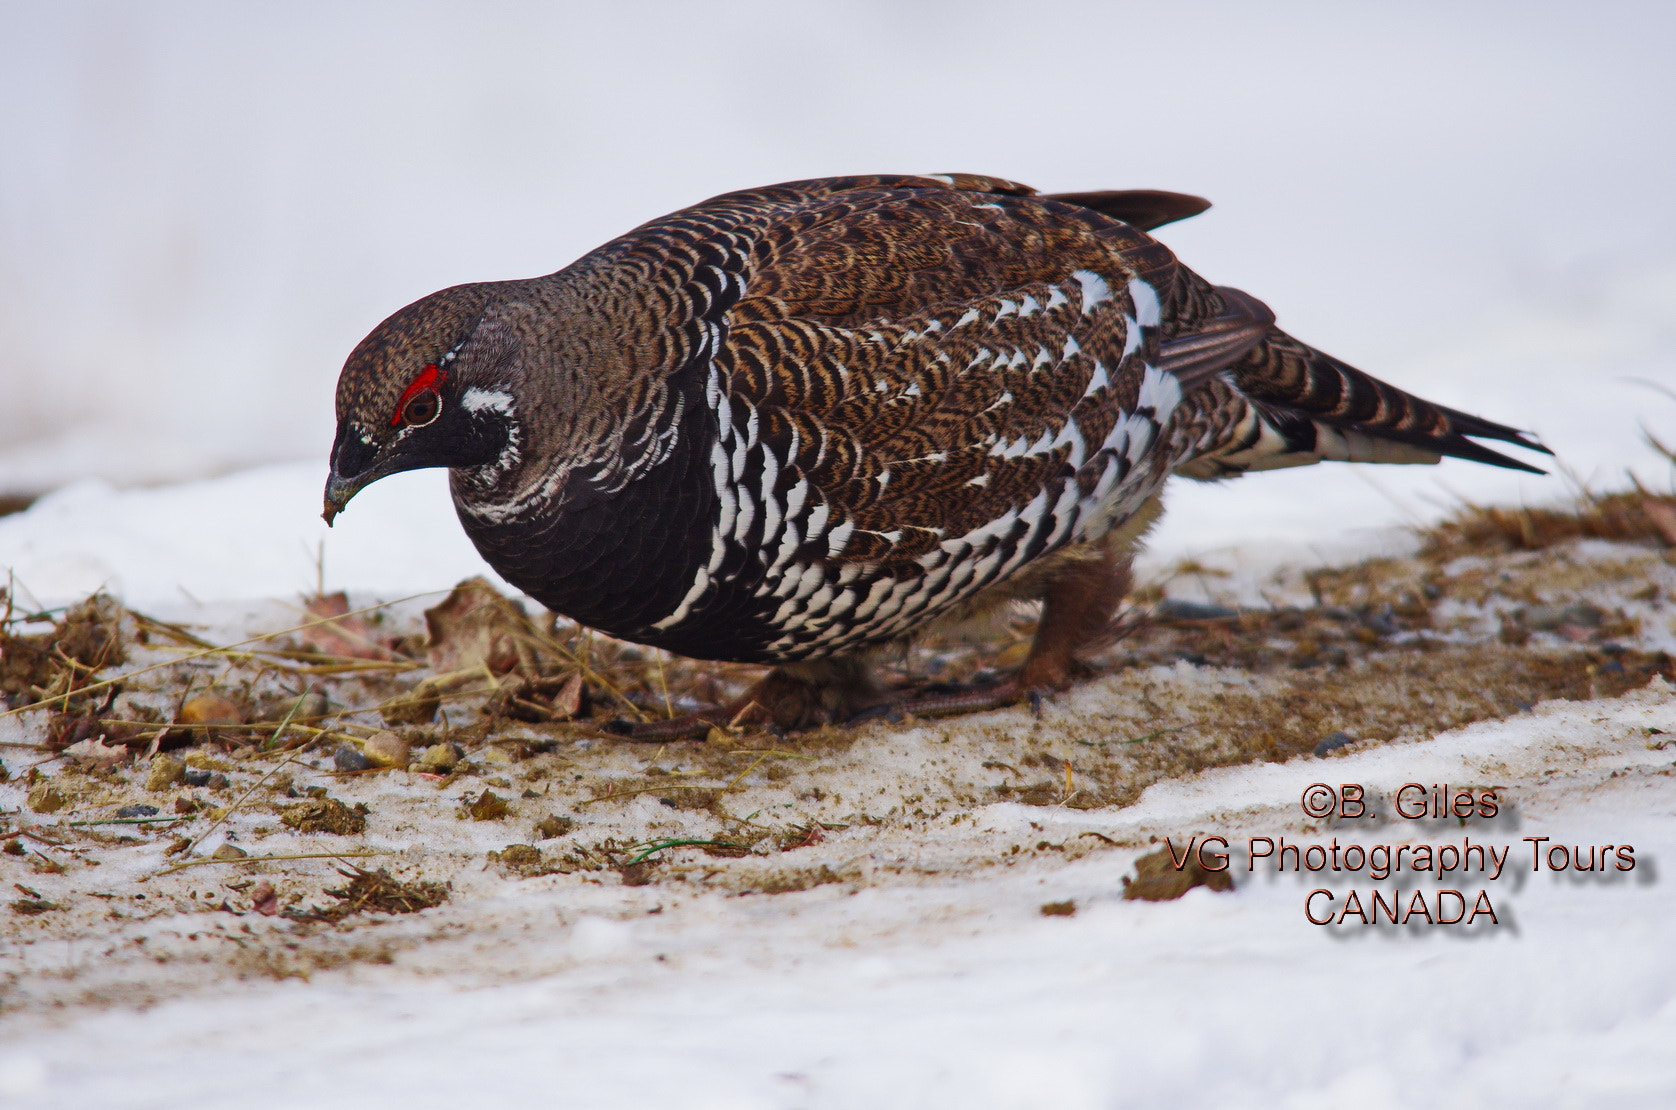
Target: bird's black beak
x=338 y=492
x=355 y=465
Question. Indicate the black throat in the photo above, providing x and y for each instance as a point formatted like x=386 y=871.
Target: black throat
x=617 y=561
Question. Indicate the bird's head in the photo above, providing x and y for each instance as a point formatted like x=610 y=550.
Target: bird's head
x=434 y=385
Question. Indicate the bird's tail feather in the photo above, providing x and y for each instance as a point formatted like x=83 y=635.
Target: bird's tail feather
x=1283 y=403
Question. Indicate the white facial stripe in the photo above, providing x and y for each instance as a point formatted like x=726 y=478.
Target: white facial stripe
x=493 y=400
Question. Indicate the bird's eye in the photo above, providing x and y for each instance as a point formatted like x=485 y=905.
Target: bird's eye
x=421 y=409
x=421 y=401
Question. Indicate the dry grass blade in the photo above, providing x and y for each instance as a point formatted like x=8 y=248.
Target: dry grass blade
x=663 y=686
x=755 y=763
x=356 y=854
x=304 y=662
x=203 y=652
x=581 y=661
x=178 y=633
x=1628 y=516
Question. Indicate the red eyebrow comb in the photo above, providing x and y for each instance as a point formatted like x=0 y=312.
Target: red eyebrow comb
x=429 y=379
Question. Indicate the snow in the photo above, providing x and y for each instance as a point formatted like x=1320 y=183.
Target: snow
x=252 y=534
x=924 y=981
x=206 y=207
x=960 y=993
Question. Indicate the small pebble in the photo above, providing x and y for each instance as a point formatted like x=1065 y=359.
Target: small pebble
x=137 y=811
x=386 y=749
x=1381 y=623
x=1333 y=743
x=209 y=709
x=350 y=758
x=229 y=851
x=195 y=776
x=549 y=827
x=166 y=772
x=440 y=757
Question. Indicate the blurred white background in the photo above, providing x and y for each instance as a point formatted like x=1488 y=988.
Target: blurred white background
x=204 y=205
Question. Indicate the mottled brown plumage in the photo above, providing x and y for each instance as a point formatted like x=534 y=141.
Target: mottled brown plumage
x=793 y=424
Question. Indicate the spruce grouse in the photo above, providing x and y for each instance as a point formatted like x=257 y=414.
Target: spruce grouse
x=796 y=424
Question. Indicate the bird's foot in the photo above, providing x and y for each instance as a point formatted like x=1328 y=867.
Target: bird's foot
x=789 y=698
x=691 y=726
x=949 y=700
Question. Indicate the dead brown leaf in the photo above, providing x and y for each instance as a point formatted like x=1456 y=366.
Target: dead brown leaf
x=1159 y=879
x=538 y=699
x=345 y=636
x=265 y=899
x=1663 y=515
x=475 y=626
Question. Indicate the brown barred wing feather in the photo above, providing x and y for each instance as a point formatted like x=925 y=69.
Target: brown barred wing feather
x=931 y=361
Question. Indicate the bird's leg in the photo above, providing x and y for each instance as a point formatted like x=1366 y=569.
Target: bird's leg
x=812 y=693
x=1077 y=610
x=1078 y=603
x=790 y=697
